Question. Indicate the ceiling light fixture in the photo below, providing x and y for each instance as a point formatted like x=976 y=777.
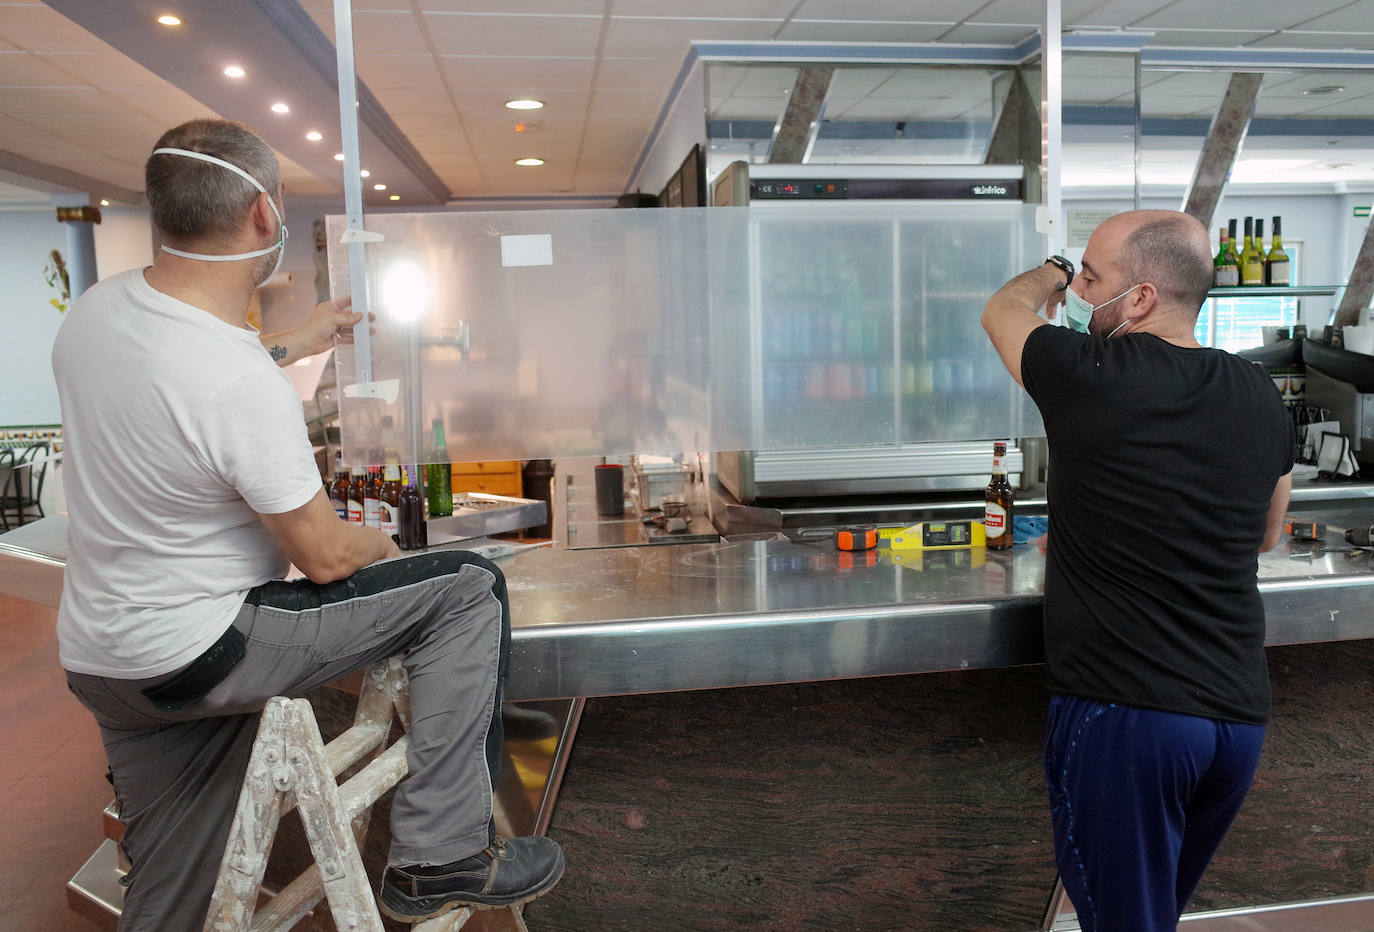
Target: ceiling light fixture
x=280 y=107
x=365 y=173
x=529 y=162
x=524 y=104
x=338 y=156
x=379 y=187
x=1326 y=90
x=395 y=197
x=313 y=136
x=167 y=19
x=104 y=203
x=234 y=71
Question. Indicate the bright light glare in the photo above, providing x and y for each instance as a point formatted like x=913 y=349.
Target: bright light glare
x=365 y=173
x=524 y=104
x=313 y=136
x=168 y=19
x=529 y=162
x=379 y=187
x=405 y=291
x=234 y=71
x=280 y=108
x=338 y=156
x=395 y=197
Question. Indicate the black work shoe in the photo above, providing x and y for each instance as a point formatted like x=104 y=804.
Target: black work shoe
x=510 y=872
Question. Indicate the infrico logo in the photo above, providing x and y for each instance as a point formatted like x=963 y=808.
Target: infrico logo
x=989 y=189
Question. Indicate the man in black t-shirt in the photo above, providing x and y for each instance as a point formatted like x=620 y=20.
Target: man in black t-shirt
x=1170 y=468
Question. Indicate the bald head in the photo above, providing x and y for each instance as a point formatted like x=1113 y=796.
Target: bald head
x=1167 y=248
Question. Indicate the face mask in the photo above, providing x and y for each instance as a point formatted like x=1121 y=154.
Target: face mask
x=280 y=244
x=1080 y=313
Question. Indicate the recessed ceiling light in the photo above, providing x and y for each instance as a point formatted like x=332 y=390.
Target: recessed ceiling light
x=1326 y=90
x=524 y=104
x=313 y=136
x=234 y=71
x=379 y=187
x=280 y=107
x=1333 y=166
x=529 y=162
x=104 y=203
x=365 y=173
x=338 y=156
x=395 y=197
x=167 y=19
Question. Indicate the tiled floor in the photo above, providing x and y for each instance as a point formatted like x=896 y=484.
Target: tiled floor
x=52 y=776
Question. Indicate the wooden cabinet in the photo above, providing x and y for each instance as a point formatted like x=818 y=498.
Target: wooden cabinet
x=495 y=477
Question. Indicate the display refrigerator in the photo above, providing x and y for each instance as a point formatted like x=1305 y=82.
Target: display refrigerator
x=866 y=284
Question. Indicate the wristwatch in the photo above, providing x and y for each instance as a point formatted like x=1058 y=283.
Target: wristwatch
x=1065 y=266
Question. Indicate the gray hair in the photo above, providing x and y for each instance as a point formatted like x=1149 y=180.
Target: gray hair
x=1174 y=255
x=193 y=200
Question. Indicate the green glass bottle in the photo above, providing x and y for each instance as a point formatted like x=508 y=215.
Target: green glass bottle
x=439 y=475
x=1251 y=259
x=1277 y=265
x=1225 y=266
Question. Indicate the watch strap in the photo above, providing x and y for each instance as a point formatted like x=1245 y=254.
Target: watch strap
x=1065 y=266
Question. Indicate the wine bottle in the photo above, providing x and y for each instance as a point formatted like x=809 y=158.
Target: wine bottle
x=1259 y=247
x=1278 y=267
x=1251 y=262
x=1233 y=245
x=1225 y=267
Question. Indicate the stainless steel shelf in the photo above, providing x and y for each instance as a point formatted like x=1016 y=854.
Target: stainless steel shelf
x=1265 y=291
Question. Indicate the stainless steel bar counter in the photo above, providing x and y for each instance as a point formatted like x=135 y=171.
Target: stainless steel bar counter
x=702 y=616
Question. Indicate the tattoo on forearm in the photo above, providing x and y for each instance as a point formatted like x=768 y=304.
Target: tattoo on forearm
x=277 y=352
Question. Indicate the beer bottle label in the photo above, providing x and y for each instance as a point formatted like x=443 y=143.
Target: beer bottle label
x=386 y=514
x=340 y=507
x=995 y=519
x=372 y=512
x=355 y=511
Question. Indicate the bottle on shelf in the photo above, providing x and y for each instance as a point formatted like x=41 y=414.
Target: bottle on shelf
x=1233 y=246
x=1251 y=261
x=439 y=474
x=372 y=497
x=1225 y=268
x=999 y=498
x=1277 y=268
x=411 y=533
x=1259 y=245
x=389 y=499
x=357 y=484
x=338 y=489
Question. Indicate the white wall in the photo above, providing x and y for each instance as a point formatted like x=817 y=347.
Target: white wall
x=684 y=127
x=123 y=240
x=28 y=394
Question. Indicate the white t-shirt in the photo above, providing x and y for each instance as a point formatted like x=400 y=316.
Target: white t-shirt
x=178 y=430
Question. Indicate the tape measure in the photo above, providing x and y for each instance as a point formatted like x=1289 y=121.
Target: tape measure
x=857 y=537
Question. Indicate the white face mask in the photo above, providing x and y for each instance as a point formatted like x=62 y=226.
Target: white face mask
x=279 y=245
x=1080 y=313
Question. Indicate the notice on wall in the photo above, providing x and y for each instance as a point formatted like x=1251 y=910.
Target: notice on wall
x=1083 y=222
x=531 y=249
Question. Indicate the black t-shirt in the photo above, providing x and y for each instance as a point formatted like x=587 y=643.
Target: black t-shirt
x=1163 y=461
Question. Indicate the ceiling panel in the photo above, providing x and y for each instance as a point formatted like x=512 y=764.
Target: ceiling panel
x=722 y=80
x=1123 y=12
x=386 y=71
x=1177 y=106
x=1243 y=13
x=550 y=7
x=669 y=38
x=813 y=30
x=43 y=29
x=167 y=105
x=894 y=108
x=407 y=102
x=514 y=36
x=593 y=181
x=480 y=102
x=914 y=11
x=1030 y=12
x=859 y=82
x=104 y=69
x=524 y=75
x=1357 y=17
x=1359 y=108
x=938 y=82
x=637 y=73
x=727 y=9
x=21 y=69
x=749 y=108
x=59 y=101
x=641 y=106
x=1097 y=90
x=1356 y=84
x=1204 y=84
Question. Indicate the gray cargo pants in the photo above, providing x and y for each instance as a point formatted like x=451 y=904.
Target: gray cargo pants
x=177 y=771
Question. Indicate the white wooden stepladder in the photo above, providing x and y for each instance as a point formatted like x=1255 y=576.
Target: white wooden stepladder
x=290 y=766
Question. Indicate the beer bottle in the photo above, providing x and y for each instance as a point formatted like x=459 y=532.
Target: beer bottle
x=439 y=475
x=412 y=534
x=356 y=486
x=1226 y=269
x=997 y=513
x=372 y=497
x=338 y=489
x=389 y=499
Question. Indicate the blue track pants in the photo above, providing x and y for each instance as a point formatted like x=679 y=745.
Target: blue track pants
x=1140 y=800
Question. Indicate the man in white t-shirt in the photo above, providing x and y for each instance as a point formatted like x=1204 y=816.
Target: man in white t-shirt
x=191 y=488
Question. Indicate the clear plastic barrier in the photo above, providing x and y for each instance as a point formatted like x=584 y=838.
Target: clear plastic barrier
x=601 y=332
